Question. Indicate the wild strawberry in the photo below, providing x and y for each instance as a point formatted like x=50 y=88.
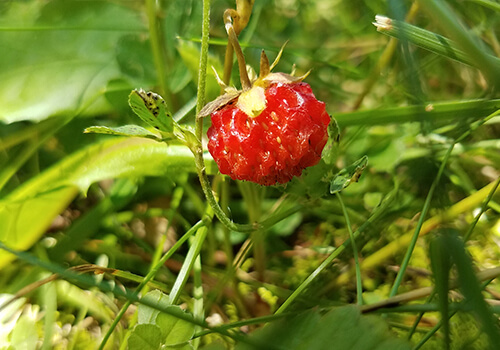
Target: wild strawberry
x=270 y=132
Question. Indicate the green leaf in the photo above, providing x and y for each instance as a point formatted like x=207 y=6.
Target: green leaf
x=152 y=109
x=441 y=264
x=126 y=130
x=328 y=154
x=348 y=175
x=342 y=328
x=145 y=337
x=28 y=211
x=53 y=64
x=174 y=331
x=147 y=314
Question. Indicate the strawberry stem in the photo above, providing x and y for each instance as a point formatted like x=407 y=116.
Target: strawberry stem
x=229 y=16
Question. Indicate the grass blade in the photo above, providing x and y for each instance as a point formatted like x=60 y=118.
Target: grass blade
x=428 y=40
x=444 y=17
x=432 y=112
x=440 y=263
x=472 y=289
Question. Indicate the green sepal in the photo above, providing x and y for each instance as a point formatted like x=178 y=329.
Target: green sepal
x=152 y=109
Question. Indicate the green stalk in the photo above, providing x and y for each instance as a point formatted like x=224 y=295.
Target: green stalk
x=50 y=309
x=202 y=69
x=359 y=283
x=423 y=214
x=249 y=322
x=187 y=266
x=198 y=311
x=252 y=194
x=228 y=248
x=483 y=209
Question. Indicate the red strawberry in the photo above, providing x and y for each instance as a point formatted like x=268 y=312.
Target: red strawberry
x=269 y=133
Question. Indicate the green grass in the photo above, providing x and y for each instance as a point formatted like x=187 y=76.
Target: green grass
x=134 y=240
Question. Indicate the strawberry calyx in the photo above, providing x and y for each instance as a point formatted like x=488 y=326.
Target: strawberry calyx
x=252 y=100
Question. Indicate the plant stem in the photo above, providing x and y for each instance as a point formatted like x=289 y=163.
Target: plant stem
x=202 y=69
x=183 y=276
x=483 y=209
x=212 y=201
x=252 y=194
x=423 y=214
x=198 y=311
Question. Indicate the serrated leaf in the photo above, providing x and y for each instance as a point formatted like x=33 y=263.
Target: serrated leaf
x=145 y=337
x=27 y=212
x=342 y=328
x=152 y=109
x=348 y=175
x=126 y=130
